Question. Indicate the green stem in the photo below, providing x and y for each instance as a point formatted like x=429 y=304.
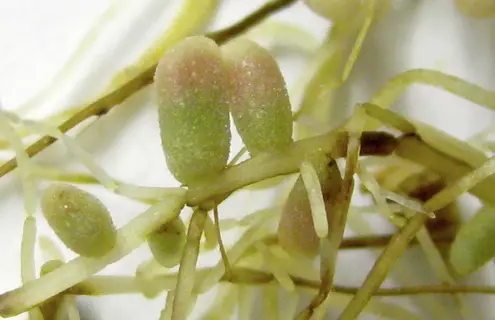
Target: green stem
x=379 y=272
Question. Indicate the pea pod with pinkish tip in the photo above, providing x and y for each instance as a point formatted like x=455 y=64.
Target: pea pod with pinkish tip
x=474 y=244
x=296 y=231
x=167 y=243
x=79 y=220
x=192 y=108
x=258 y=98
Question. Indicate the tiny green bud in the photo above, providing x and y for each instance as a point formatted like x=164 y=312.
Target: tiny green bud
x=296 y=231
x=166 y=243
x=192 y=109
x=79 y=219
x=474 y=244
x=258 y=97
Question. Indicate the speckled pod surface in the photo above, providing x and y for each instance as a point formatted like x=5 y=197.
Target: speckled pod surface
x=258 y=97
x=79 y=219
x=296 y=231
x=166 y=243
x=192 y=109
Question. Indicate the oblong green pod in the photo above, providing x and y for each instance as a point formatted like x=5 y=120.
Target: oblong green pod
x=296 y=231
x=167 y=243
x=79 y=219
x=258 y=98
x=474 y=244
x=192 y=108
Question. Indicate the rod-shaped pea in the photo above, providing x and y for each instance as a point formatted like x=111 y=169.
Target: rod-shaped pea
x=79 y=219
x=474 y=244
x=258 y=98
x=167 y=243
x=192 y=108
x=296 y=231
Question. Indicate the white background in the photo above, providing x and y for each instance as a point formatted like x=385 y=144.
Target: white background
x=38 y=37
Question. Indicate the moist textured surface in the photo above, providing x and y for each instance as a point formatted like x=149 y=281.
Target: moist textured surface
x=79 y=219
x=258 y=98
x=192 y=109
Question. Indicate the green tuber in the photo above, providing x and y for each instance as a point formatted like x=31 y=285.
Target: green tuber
x=296 y=231
x=167 y=243
x=79 y=219
x=192 y=109
x=258 y=98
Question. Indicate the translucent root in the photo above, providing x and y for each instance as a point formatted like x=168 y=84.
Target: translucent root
x=321 y=83
x=276 y=267
x=129 y=238
x=399 y=243
x=315 y=196
x=73 y=147
x=187 y=270
x=28 y=184
x=67 y=70
x=223 y=306
x=457 y=86
x=28 y=270
x=428 y=246
x=152 y=194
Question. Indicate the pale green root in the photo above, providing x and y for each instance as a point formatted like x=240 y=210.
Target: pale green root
x=63 y=75
x=28 y=183
x=187 y=270
x=276 y=267
x=246 y=296
x=315 y=196
x=49 y=249
x=223 y=306
x=270 y=302
x=166 y=313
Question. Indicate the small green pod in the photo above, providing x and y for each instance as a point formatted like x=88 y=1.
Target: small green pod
x=79 y=219
x=474 y=244
x=258 y=98
x=192 y=109
x=296 y=231
x=167 y=243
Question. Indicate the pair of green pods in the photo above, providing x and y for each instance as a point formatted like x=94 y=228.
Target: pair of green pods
x=199 y=85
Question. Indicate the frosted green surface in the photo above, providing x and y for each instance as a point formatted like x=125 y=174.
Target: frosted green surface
x=474 y=244
x=258 y=98
x=79 y=219
x=296 y=231
x=192 y=109
x=166 y=244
